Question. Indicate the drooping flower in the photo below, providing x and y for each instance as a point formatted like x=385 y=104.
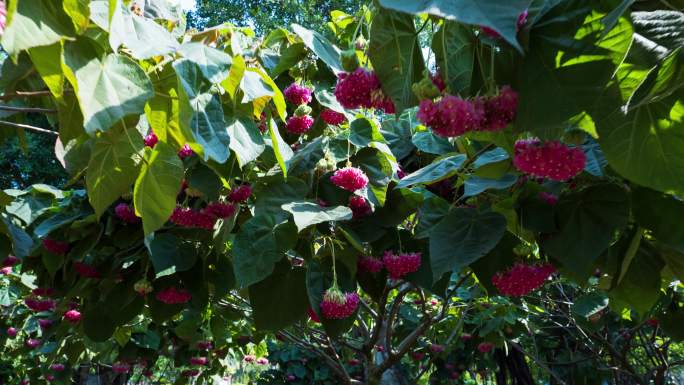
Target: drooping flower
x=338 y=305
x=349 y=178
x=32 y=343
x=10 y=261
x=126 y=213
x=220 y=210
x=500 y=110
x=151 y=139
x=299 y=124
x=333 y=117
x=187 y=217
x=205 y=345
x=40 y=305
x=485 y=347
x=73 y=316
x=297 y=94
x=121 y=367
x=552 y=160
x=55 y=247
x=172 y=296
x=653 y=322
x=57 y=367
x=199 y=361
x=6 y=270
x=143 y=287
x=521 y=279
x=249 y=358
x=185 y=152
x=86 y=271
x=417 y=356
x=353 y=90
x=240 y=194
x=451 y=116
x=438 y=81
x=43 y=292
x=368 y=264
x=399 y=265
x=12 y=332
x=359 y=206
x=263 y=361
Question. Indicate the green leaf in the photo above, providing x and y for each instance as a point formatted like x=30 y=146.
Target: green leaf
x=431 y=212
x=157 y=186
x=214 y=64
x=590 y=304
x=79 y=12
x=308 y=213
x=113 y=167
x=163 y=109
x=587 y=221
x=21 y=241
x=663 y=28
x=34 y=23
x=462 y=237
x=319 y=45
x=501 y=16
x=376 y=164
x=661 y=214
x=202 y=111
x=397 y=132
x=430 y=143
x=662 y=80
x=48 y=62
x=282 y=151
x=108 y=90
x=434 y=172
x=454 y=48
x=279 y=300
x=671 y=323
x=640 y=288
x=396 y=56
x=97 y=324
x=204 y=179
x=170 y=254
x=363 y=132
x=288 y=58
x=261 y=242
x=245 y=140
x=476 y=185
x=143 y=37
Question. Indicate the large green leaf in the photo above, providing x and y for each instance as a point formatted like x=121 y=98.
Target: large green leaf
x=260 y=244
x=661 y=214
x=501 y=16
x=202 y=111
x=320 y=46
x=476 y=185
x=271 y=193
x=143 y=37
x=362 y=132
x=462 y=237
x=245 y=140
x=662 y=81
x=34 y=23
x=590 y=304
x=663 y=28
x=79 y=12
x=48 y=62
x=157 y=186
x=170 y=254
x=640 y=287
x=279 y=300
x=396 y=56
x=308 y=213
x=587 y=222
x=454 y=48
x=21 y=241
x=98 y=325
x=214 y=64
x=430 y=143
x=109 y=89
x=434 y=172
x=113 y=167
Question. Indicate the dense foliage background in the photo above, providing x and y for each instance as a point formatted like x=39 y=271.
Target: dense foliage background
x=326 y=192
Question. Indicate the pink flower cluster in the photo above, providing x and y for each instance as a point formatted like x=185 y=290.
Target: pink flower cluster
x=332 y=117
x=361 y=88
x=45 y=323
x=185 y=152
x=199 y=361
x=57 y=367
x=297 y=94
x=85 y=270
x=32 y=343
x=349 y=178
x=312 y=314
x=73 y=316
x=55 y=247
x=340 y=305
x=263 y=361
x=552 y=159
x=43 y=292
x=12 y=332
x=40 y=304
x=172 y=296
x=453 y=116
x=126 y=213
x=522 y=279
x=359 y=207
x=399 y=265
x=220 y=210
x=485 y=347
x=10 y=261
x=368 y=264
x=240 y=194
x=299 y=124
x=205 y=345
x=187 y=217
x=121 y=367
x=151 y=139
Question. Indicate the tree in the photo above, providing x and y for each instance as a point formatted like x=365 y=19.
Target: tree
x=478 y=214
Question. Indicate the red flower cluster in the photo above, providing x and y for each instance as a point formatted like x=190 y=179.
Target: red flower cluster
x=126 y=213
x=187 y=217
x=40 y=304
x=10 y=261
x=172 y=296
x=151 y=139
x=399 y=265
x=359 y=207
x=361 y=88
x=240 y=194
x=55 y=247
x=312 y=314
x=552 y=160
x=220 y=210
x=349 y=178
x=337 y=305
x=521 y=279
x=453 y=116
x=205 y=345
x=485 y=347
x=332 y=117
x=43 y=292
x=73 y=316
x=121 y=367
x=185 y=152
x=57 y=367
x=86 y=271
x=297 y=94
x=198 y=361
x=299 y=124
x=368 y=264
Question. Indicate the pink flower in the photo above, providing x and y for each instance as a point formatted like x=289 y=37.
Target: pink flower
x=332 y=117
x=172 y=296
x=6 y=270
x=485 y=347
x=299 y=124
x=349 y=178
x=359 y=207
x=126 y=213
x=549 y=198
x=121 y=367
x=220 y=210
x=12 y=332
x=522 y=279
x=49 y=378
x=205 y=345
x=399 y=265
x=312 y=314
x=185 y=152
x=297 y=94
x=438 y=81
x=262 y=361
x=198 y=361
x=43 y=292
x=86 y=271
x=451 y=115
x=55 y=247
x=45 y=323
x=57 y=367
x=240 y=194
x=552 y=160
x=367 y=264
x=249 y=358
x=187 y=217
x=466 y=337
x=32 y=343
x=436 y=348
x=500 y=110
x=73 y=316
x=40 y=305
x=10 y=261
x=338 y=305
x=354 y=90
x=151 y=139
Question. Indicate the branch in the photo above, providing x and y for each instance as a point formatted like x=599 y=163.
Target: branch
x=539 y=363
x=27 y=127
x=27 y=94
x=28 y=109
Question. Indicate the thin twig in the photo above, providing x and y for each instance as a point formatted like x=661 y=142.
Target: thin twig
x=26 y=94
x=27 y=127
x=28 y=109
